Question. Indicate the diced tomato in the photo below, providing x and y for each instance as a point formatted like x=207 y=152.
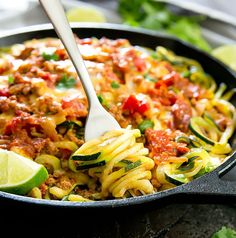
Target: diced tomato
x=168 y=80
x=143 y=107
x=74 y=106
x=4 y=92
x=165 y=96
x=61 y=54
x=45 y=75
x=139 y=64
x=132 y=104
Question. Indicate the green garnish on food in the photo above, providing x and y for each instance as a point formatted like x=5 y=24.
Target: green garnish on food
x=50 y=56
x=145 y=124
x=103 y=100
x=10 y=79
x=225 y=232
x=66 y=82
x=149 y=78
x=154 y=15
x=115 y=85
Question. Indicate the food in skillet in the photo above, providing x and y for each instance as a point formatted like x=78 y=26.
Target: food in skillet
x=176 y=121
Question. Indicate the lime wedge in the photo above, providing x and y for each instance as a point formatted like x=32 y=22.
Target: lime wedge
x=19 y=174
x=85 y=14
x=227 y=54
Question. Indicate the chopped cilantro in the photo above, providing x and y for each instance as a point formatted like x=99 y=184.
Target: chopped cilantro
x=100 y=98
x=50 y=56
x=115 y=85
x=186 y=74
x=145 y=124
x=10 y=79
x=66 y=82
x=154 y=55
x=158 y=16
x=225 y=232
x=150 y=79
x=103 y=101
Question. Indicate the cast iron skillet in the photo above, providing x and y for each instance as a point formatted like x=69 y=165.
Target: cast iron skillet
x=209 y=187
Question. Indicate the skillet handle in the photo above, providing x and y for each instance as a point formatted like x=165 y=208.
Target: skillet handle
x=212 y=185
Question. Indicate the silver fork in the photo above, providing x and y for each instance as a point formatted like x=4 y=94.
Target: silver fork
x=99 y=120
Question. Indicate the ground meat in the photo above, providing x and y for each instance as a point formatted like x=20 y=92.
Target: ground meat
x=46 y=105
x=50 y=148
x=11 y=105
x=182 y=113
x=4 y=104
x=25 y=53
x=21 y=88
x=65 y=182
x=5 y=65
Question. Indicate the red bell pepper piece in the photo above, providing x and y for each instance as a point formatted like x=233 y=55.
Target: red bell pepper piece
x=132 y=104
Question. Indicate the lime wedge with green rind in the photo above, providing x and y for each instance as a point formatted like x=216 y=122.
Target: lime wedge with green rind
x=19 y=174
x=226 y=54
x=85 y=14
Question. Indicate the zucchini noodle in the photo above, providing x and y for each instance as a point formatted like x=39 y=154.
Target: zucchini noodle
x=125 y=165
x=176 y=121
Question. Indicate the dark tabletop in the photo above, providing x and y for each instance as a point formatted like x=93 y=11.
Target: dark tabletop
x=170 y=221
x=186 y=220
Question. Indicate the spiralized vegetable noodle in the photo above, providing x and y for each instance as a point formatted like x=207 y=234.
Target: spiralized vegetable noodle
x=176 y=122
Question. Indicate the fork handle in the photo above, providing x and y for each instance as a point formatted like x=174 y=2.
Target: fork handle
x=56 y=14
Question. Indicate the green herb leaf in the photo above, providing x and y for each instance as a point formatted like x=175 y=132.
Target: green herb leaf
x=150 y=79
x=100 y=98
x=115 y=85
x=103 y=101
x=66 y=82
x=145 y=124
x=186 y=74
x=50 y=56
x=10 y=79
x=225 y=232
x=156 y=16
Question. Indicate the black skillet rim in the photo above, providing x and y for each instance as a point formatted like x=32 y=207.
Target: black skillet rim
x=115 y=203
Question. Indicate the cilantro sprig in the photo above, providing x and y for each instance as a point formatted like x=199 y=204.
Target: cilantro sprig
x=224 y=232
x=66 y=82
x=155 y=15
x=48 y=57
